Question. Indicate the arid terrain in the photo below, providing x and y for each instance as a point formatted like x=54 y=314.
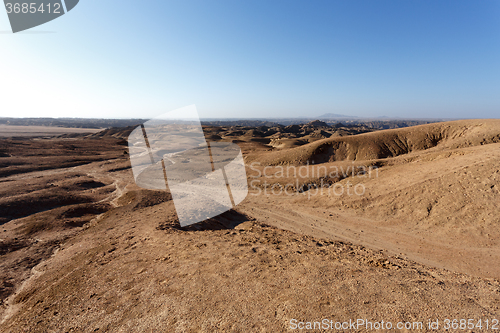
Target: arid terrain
x=41 y=131
x=341 y=223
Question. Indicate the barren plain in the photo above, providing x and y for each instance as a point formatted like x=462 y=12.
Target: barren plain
x=40 y=131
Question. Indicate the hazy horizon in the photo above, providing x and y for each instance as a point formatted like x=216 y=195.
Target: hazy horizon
x=319 y=117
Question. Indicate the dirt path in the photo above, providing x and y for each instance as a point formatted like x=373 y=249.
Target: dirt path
x=288 y=213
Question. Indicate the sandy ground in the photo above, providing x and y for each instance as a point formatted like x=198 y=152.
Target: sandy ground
x=27 y=131
x=458 y=232
x=85 y=250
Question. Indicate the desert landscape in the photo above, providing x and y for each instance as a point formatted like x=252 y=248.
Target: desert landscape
x=40 y=131
x=342 y=223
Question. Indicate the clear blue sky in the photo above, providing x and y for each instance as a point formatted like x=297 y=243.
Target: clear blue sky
x=256 y=58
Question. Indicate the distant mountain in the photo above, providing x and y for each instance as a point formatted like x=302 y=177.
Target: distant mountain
x=336 y=116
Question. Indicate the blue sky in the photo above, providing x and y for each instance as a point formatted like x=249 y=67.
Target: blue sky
x=256 y=59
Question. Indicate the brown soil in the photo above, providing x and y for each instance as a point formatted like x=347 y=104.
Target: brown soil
x=84 y=249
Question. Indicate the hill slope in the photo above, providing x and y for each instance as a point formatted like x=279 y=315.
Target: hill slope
x=390 y=143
